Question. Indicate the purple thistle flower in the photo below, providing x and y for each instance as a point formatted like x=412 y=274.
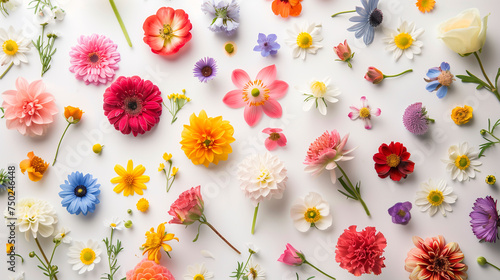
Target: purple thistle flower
x=415 y=119
x=400 y=212
x=267 y=44
x=484 y=219
x=439 y=80
x=205 y=69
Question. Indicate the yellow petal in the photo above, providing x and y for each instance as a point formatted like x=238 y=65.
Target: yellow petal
x=130 y=166
x=120 y=170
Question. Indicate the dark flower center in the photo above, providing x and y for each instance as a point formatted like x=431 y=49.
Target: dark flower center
x=265 y=44
x=376 y=18
x=80 y=191
x=132 y=105
x=93 y=57
x=284 y=1
x=441 y=264
x=274 y=136
x=206 y=71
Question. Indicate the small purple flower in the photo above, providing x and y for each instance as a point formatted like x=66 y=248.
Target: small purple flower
x=267 y=44
x=415 y=119
x=225 y=13
x=400 y=213
x=205 y=69
x=439 y=80
x=484 y=219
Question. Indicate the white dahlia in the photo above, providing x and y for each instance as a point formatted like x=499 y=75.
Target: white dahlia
x=35 y=216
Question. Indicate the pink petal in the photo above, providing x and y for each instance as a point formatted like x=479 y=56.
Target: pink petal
x=272 y=108
x=270 y=144
x=363 y=101
x=368 y=123
x=376 y=112
x=35 y=88
x=234 y=99
x=268 y=130
x=278 y=89
x=240 y=78
x=353 y=115
x=22 y=84
x=166 y=15
x=267 y=75
x=253 y=114
x=282 y=141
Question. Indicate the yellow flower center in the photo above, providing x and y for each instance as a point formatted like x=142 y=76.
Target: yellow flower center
x=490 y=179
x=403 y=40
x=364 y=113
x=87 y=256
x=312 y=215
x=445 y=78
x=401 y=213
x=304 y=40
x=10 y=47
x=112 y=225
x=255 y=89
x=264 y=176
x=318 y=89
x=166 y=32
x=393 y=160
x=199 y=277
x=435 y=197
x=129 y=179
x=253 y=272
x=153 y=240
x=462 y=162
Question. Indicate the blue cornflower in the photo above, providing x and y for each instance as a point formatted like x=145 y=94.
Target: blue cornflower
x=267 y=44
x=439 y=80
x=369 y=18
x=80 y=193
x=225 y=15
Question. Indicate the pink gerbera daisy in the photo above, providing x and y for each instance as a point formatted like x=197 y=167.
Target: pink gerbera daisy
x=133 y=105
x=276 y=138
x=29 y=108
x=257 y=95
x=94 y=60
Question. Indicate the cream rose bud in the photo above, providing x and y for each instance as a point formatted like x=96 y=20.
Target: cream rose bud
x=465 y=33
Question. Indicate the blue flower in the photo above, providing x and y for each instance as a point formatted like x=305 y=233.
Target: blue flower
x=225 y=15
x=79 y=193
x=439 y=80
x=369 y=18
x=267 y=44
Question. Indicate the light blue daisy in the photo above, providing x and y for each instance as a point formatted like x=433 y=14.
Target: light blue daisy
x=79 y=193
x=439 y=80
x=369 y=18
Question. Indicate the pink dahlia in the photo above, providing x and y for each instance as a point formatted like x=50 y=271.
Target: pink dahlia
x=133 y=105
x=29 y=108
x=324 y=152
x=149 y=270
x=361 y=252
x=257 y=95
x=94 y=60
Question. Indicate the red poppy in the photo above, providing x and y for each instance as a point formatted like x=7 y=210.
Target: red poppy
x=286 y=8
x=393 y=160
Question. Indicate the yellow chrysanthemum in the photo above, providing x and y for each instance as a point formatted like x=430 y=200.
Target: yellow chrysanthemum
x=425 y=6
x=142 y=205
x=155 y=241
x=461 y=115
x=207 y=140
x=130 y=181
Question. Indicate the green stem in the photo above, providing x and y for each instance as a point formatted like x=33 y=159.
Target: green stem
x=220 y=235
x=109 y=254
x=255 y=217
x=57 y=151
x=49 y=265
x=430 y=120
x=7 y=70
x=53 y=251
x=306 y=262
x=245 y=265
x=120 y=21
x=404 y=72
x=19 y=256
x=344 y=12
x=484 y=73
x=493 y=265
x=358 y=195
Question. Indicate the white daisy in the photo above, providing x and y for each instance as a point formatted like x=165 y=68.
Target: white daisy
x=255 y=272
x=19 y=276
x=14 y=46
x=317 y=93
x=252 y=248
x=198 y=272
x=311 y=211
x=304 y=39
x=114 y=223
x=83 y=256
x=62 y=235
x=462 y=162
x=434 y=197
x=404 y=40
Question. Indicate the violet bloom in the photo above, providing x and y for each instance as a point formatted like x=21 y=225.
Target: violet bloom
x=415 y=119
x=400 y=212
x=225 y=15
x=267 y=44
x=484 y=219
x=205 y=69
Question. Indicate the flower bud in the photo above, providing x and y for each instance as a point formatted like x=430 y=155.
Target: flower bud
x=72 y=114
x=31 y=254
x=481 y=260
x=374 y=75
x=129 y=211
x=128 y=224
x=54 y=268
x=483 y=131
x=97 y=148
x=343 y=51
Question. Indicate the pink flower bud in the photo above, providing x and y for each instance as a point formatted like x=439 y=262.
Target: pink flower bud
x=188 y=208
x=292 y=256
x=343 y=51
x=374 y=75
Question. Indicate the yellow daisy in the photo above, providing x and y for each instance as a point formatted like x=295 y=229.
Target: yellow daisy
x=155 y=241
x=130 y=181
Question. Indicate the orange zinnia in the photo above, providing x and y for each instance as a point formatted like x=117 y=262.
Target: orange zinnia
x=287 y=8
x=35 y=167
x=155 y=241
x=425 y=6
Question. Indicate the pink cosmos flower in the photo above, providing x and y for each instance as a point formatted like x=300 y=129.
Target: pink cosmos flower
x=276 y=138
x=365 y=113
x=324 y=152
x=149 y=270
x=188 y=208
x=292 y=256
x=257 y=95
x=29 y=108
x=94 y=60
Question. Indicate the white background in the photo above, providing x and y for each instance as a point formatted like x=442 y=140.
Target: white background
x=226 y=207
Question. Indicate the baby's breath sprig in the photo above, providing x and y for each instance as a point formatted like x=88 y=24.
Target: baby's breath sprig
x=177 y=101
x=172 y=170
x=45 y=49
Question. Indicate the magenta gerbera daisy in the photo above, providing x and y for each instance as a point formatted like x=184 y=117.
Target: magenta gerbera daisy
x=94 y=60
x=133 y=105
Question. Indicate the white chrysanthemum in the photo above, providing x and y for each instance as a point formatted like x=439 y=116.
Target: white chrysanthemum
x=14 y=46
x=433 y=197
x=311 y=211
x=198 y=272
x=35 y=216
x=462 y=162
x=262 y=176
x=83 y=256
x=404 y=40
x=317 y=93
x=255 y=271
x=62 y=235
x=114 y=223
x=304 y=39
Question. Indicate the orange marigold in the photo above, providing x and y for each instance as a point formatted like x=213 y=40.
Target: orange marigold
x=425 y=6
x=286 y=8
x=155 y=241
x=35 y=167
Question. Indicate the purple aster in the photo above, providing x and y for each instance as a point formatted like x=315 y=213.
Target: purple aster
x=415 y=119
x=205 y=69
x=368 y=18
x=225 y=15
x=267 y=44
x=484 y=219
x=400 y=213
x=439 y=80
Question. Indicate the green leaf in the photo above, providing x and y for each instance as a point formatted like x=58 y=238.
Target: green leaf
x=341 y=180
x=496 y=78
x=198 y=234
x=348 y=196
x=472 y=79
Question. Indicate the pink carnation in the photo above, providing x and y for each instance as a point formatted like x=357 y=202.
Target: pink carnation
x=29 y=108
x=149 y=270
x=188 y=208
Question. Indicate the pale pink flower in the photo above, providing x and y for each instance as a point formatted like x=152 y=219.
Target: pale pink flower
x=29 y=108
x=325 y=152
x=276 y=138
x=257 y=95
x=365 y=113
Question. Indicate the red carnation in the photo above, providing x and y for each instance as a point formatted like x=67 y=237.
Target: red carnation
x=393 y=160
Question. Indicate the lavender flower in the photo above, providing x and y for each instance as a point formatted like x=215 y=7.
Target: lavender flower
x=267 y=44
x=415 y=119
x=225 y=15
x=400 y=212
x=205 y=69
x=484 y=219
x=439 y=80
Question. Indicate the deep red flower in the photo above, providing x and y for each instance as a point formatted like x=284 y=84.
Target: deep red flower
x=393 y=160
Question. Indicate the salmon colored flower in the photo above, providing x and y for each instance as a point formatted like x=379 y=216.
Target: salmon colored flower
x=286 y=8
x=155 y=241
x=344 y=53
x=188 y=208
x=35 y=166
x=149 y=270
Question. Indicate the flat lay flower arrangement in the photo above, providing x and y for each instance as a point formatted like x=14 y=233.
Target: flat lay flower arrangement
x=263 y=139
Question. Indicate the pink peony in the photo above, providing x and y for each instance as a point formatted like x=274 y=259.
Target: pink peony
x=188 y=208
x=361 y=252
x=149 y=270
x=94 y=60
x=29 y=108
x=292 y=256
x=276 y=138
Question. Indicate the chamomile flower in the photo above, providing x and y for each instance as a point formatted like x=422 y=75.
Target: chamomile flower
x=84 y=256
x=462 y=162
x=114 y=223
x=304 y=39
x=62 y=235
x=435 y=196
x=404 y=40
x=14 y=46
x=198 y=272
x=255 y=271
x=318 y=92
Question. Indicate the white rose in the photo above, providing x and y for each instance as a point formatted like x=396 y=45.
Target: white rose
x=465 y=33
